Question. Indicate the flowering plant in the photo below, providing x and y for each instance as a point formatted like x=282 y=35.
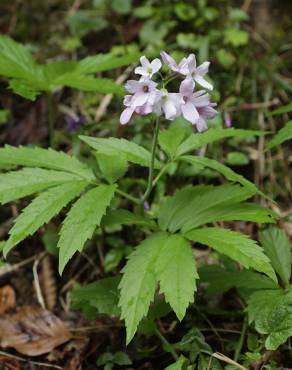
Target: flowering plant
x=148 y=96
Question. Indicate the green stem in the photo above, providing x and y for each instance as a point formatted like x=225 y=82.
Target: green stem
x=166 y=344
x=128 y=196
x=161 y=172
x=151 y=169
x=241 y=340
x=51 y=118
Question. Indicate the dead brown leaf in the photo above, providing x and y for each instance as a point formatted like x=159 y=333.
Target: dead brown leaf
x=7 y=298
x=48 y=282
x=32 y=331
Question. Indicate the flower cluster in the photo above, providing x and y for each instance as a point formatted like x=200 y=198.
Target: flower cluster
x=145 y=96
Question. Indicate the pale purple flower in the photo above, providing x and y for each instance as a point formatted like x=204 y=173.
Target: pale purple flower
x=227 y=119
x=148 y=69
x=198 y=73
x=169 y=104
x=75 y=123
x=182 y=67
x=205 y=112
x=192 y=101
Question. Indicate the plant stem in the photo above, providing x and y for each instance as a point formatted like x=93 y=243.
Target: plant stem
x=151 y=169
x=51 y=118
x=128 y=196
x=161 y=172
x=241 y=340
x=166 y=344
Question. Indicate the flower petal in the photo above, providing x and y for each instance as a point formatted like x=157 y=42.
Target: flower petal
x=201 y=125
x=203 y=68
x=126 y=115
x=141 y=71
x=133 y=86
x=192 y=63
x=144 y=62
x=155 y=65
x=190 y=112
x=169 y=109
x=203 y=82
x=139 y=99
x=186 y=87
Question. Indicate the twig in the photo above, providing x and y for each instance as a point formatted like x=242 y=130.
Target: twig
x=252 y=106
x=10 y=268
x=29 y=361
x=37 y=286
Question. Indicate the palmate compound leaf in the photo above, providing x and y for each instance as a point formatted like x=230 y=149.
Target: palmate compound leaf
x=282 y=135
x=125 y=217
x=192 y=207
x=41 y=210
x=197 y=141
x=81 y=221
x=133 y=152
x=277 y=247
x=236 y=246
x=19 y=184
x=162 y=258
x=45 y=158
x=271 y=311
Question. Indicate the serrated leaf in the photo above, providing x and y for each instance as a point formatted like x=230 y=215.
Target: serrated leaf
x=125 y=217
x=277 y=247
x=284 y=109
x=81 y=221
x=133 y=152
x=41 y=210
x=24 y=89
x=102 y=295
x=272 y=313
x=282 y=135
x=220 y=280
x=195 y=206
x=221 y=168
x=236 y=246
x=112 y=166
x=46 y=158
x=19 y=184
x=170 y=139
x=98 y=85
x=175 y=269
x=198 y=140
x=138 y=282
x=231 y=212
x=105 y=62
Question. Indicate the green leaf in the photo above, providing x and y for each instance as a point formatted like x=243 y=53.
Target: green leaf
x=220 y=280
x=235 y=37
x=102 y=295
x=237 y=159
x=138 y=283
x=198 y=140
x=231 y=212
x=195 y=206
x=82 y=22
x=170 y=139
x=112 y=166
x=105 y=62
x=121 y=358
x=121 y=6
x=176 y=272
x=178 y=365
x=98 y=85
x=272 y=313
x=46 y=158
x=41 y=210
x=24 y=89
x=133 y=153
x=225 y=58
x=284 y=109
x=277 y=247
x=282 y=135
x=19 y=184
x=15 y=59
x=81 y=221
x=125 y=217
x=221 y=168
x=236 y=246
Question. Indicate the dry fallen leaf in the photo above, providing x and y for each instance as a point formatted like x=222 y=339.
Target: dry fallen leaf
x=32 y=331
x=7 y=298
x=48 y=283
